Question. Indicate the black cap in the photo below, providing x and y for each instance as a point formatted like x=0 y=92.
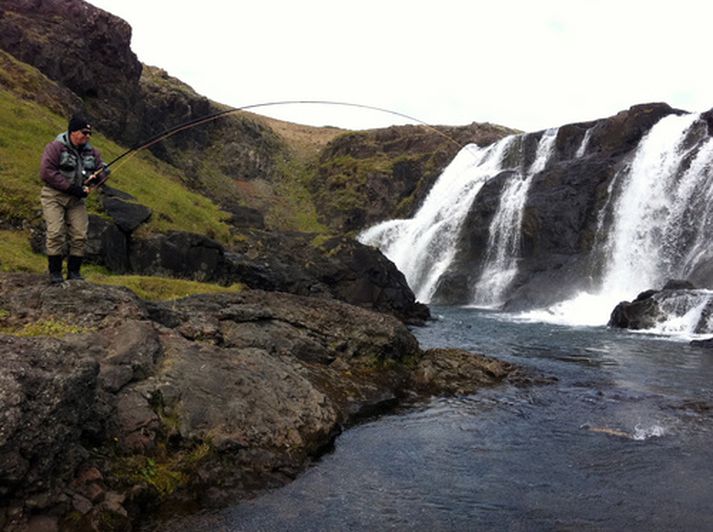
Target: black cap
x=78 y=122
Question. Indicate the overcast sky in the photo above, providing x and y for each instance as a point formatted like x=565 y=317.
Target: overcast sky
x=527 y=64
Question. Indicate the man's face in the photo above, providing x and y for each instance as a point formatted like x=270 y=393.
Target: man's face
x=80 y=137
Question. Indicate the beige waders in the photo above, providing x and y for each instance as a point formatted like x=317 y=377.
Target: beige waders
x=65 y=216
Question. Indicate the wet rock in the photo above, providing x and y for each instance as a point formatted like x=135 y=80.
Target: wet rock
x=458 y=372
x=652 y=308
x=678 y=284
x=558 y=255
x=642 y=313
x=707 y=343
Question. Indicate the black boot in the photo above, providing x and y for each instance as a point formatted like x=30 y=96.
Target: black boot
x=74 y=263
x=54 y=263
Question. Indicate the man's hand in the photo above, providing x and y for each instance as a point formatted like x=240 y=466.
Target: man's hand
x=93 y=179
x=77 y=191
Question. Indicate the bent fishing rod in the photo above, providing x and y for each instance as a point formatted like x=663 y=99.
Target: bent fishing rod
x=125 y=156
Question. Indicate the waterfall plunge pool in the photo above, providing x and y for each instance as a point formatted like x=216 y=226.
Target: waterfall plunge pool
x=620 y=441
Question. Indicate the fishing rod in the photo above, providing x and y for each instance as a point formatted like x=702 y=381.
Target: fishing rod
x=125 y=156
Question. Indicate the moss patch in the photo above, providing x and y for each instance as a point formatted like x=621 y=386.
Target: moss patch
x=54 y=328
x=166 y=472
x=161 y=288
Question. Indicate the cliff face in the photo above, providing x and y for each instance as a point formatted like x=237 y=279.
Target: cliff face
x=571 y=224
x=81 y=47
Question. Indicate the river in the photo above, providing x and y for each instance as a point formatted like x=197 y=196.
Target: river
x=620 y=441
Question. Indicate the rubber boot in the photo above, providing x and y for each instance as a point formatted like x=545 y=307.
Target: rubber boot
x=74 y=264
x=54 y=263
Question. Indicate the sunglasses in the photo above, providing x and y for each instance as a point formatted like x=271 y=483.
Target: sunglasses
x=85 y=132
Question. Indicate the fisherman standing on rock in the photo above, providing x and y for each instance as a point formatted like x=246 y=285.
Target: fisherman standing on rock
x=68 y=168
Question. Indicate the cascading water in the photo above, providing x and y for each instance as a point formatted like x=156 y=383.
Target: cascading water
x=585 y=144
x=662 y=220
x=423 y=246
x=500 y=265
x=639 y=258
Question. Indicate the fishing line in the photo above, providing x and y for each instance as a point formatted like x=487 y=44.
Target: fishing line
x=125 y=156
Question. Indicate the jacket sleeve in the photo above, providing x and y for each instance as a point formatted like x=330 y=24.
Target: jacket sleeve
x=100 y=161
x=49 y=167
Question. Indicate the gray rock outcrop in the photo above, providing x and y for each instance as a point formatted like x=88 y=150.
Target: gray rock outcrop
x=113 y=407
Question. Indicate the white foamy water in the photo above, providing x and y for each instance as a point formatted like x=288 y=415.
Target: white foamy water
x=644 y=433
x=505 y=231
x=585 y=144
x=423 y=247
x=584 y=309
x=638 y=258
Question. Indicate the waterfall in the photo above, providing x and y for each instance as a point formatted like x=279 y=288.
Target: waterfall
x=585 y=144
x=638 y=256
x=423 y=247
x=661 y=225
x=500 y=265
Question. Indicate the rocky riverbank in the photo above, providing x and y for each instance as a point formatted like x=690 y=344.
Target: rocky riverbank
x=113 y=408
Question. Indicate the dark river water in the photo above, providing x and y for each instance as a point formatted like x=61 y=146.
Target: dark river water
x=622 y=441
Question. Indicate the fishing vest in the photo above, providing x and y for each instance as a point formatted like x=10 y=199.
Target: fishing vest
x=76 y=164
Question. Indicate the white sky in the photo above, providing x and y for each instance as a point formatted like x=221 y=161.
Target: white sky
x=527 y=64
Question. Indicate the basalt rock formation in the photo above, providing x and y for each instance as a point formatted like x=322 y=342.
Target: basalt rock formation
x=112 y=408
x=338 y=267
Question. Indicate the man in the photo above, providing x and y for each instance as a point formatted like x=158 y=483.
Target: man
x=66 y=167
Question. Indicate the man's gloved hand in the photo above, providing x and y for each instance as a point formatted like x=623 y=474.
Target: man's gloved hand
x=94 y=178
x=77 y=191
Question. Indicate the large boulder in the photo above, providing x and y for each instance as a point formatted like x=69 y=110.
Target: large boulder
x=641 y=313
x=653 y=308
x=121 y=207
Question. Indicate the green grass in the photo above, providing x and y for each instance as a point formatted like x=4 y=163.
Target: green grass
x=16 y=255
x=161 y=288
x=297 y=210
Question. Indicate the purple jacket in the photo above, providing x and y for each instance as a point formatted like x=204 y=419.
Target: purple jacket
x=64 y=164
